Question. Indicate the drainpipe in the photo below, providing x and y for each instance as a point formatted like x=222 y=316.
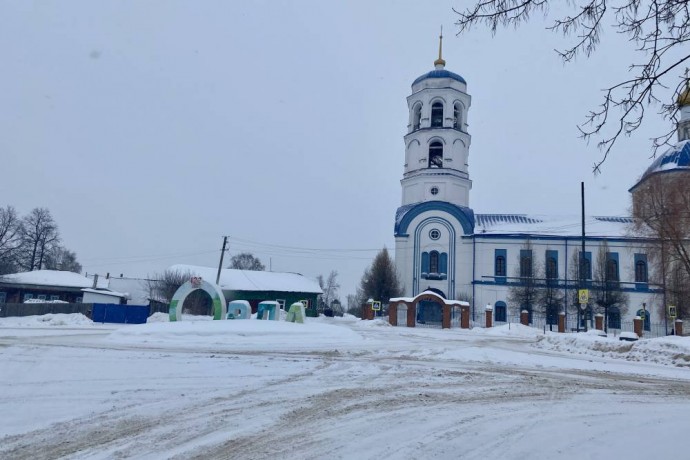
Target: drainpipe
x=474 y=265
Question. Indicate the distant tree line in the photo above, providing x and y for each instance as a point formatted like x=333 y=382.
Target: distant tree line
x=32 y=242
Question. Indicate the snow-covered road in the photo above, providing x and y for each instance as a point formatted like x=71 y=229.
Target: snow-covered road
x=330 y=389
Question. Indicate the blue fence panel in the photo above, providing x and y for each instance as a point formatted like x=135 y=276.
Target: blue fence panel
x=114 y=313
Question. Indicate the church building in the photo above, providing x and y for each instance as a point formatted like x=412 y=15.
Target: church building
x=442 y=245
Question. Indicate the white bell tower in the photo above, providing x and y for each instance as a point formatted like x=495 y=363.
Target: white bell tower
x=434 y=214
x=437 y=143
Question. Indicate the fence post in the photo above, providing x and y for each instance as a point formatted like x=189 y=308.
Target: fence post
x=411 y=314
x=561 y=322
x=393 y=314
x=637 y=326
x=489 y=316
x=445 y=324
x=524 y=318
x=465 y=317
x=678 y=327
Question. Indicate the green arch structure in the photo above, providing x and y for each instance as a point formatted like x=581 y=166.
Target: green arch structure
x=175 y=312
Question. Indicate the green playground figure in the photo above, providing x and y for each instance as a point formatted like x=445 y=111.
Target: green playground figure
x=296 y=313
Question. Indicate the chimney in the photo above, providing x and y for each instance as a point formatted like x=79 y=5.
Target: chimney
x=95 y=281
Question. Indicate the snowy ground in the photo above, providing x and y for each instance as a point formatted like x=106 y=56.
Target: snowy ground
x=335 y=388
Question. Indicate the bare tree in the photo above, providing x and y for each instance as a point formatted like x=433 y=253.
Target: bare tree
x=246 y=261
x=162 y=287
x=607 y=292
x=661 y=207
x=10 y=239
x=329 y=287
x=658 y=30
x=60 y=258
x=552 y=295
x=39 y=235
x=525 y=290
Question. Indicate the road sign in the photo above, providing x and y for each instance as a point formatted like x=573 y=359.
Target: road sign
x=672 y=311
x=583 y=296
x=376 y=306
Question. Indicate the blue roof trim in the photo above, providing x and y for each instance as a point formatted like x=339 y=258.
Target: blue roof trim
x=440 y=74
x=405 y=214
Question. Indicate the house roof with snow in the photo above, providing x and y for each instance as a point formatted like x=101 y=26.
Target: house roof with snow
x=54 y=278
x=249 y=280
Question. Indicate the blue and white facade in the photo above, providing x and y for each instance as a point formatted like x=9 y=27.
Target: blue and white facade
x=444 y=246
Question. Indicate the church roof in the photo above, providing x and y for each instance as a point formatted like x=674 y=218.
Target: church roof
x=561 y=226
x=675 y=158
x=440 y=73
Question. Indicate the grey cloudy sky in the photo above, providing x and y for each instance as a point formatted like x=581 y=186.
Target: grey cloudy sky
x=150 y=129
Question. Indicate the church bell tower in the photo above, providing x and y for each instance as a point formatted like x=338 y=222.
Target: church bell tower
x=434 y=214
x=437 y=143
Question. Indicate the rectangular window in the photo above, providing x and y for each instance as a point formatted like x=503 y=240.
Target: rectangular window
x=305 y=302
x=641 y=271
x=500 y=269
x=79 y=299
x=525 y=263
x=42 y=297
x=28 y=297
x=585 y=268
x=551 y=265
x=3 y=297
x=281 y=302
x=54 y=297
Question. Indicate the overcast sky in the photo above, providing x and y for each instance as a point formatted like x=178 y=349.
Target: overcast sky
x=150 y=129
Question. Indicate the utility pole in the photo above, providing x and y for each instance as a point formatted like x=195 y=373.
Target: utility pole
x=583 y=309
x=222 y=253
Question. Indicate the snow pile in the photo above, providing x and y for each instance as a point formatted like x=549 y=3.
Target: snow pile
x=669 y=350
x=237 y=334
x=53 y=319
x=512 y=330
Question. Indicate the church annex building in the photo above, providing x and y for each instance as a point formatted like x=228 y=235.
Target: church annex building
x=443 y=245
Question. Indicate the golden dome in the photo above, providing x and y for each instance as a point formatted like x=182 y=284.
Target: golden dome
x=684 y=96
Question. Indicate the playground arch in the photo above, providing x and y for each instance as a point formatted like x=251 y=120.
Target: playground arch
x=196 y=282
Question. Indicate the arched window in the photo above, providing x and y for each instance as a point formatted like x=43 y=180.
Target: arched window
x=457 y=116
x=611 y=270
x=500 y=266
x=416 y=117
x=525 y=263
x=433 y=262
x=500 y=312
x=640 y=271
x=437 y=115
x=436 y=155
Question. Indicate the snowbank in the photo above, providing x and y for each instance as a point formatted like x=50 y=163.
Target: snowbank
x=53 y=319
x=238 y=334
x=671 y=350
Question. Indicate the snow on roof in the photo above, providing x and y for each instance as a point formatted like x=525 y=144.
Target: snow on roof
x=249 y=280
x=601 y=226
x=106 y=292
x=53 y=278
